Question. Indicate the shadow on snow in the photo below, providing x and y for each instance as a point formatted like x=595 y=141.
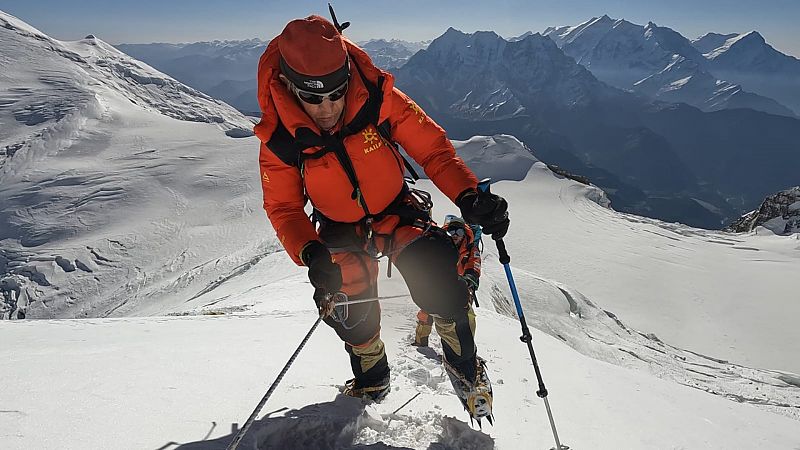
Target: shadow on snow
x=329 y=426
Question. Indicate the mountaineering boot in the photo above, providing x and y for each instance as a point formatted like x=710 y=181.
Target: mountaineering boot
x=422 y=333
x=476 y=396
x=374 y=392
x=370 y=369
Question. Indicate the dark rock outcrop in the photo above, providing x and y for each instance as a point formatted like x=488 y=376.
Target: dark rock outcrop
x=779 y=212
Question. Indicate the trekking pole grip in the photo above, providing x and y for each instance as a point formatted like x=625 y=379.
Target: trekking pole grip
x=501 y=249
x=483 y=186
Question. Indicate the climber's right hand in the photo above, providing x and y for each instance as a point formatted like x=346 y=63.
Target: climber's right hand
x=324 y=274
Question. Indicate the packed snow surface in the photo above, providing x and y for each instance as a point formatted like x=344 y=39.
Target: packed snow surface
x=183 y=382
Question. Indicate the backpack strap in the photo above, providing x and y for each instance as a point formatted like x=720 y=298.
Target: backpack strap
x=385 y=130
x=285 y=146
x=371 y=115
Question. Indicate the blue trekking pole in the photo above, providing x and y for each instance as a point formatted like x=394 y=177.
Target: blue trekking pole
x=526 y=333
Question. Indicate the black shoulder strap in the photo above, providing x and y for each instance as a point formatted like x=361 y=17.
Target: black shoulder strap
x=285 y=146
x=370 y=114
x=385 y=130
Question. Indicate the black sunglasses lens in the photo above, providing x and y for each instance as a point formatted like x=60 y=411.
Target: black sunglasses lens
x=338 y=94
x=314 y=99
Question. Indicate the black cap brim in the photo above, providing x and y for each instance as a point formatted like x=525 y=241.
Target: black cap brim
x=315 y=84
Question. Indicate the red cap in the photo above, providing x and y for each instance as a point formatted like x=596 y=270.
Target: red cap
x=313 y=54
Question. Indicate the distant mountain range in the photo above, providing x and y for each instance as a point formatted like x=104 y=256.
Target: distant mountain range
x=662 y=64
x=658 y=159
x=227 y=69
x=393 y=53
x=223 y=69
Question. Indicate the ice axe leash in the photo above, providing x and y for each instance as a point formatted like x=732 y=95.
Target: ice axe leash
x=526 y=332
x=242 y=431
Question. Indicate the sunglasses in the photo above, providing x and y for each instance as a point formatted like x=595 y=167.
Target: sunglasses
x=316 y=99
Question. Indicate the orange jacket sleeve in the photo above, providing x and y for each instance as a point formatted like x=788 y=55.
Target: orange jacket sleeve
x=284 y=200
x=426 y=142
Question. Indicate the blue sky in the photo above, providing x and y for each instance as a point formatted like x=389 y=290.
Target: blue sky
x=186 y=21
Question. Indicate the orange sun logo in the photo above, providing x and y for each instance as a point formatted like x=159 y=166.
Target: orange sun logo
x=370 y=136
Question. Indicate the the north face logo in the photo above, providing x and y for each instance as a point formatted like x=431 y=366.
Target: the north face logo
x=314 y=84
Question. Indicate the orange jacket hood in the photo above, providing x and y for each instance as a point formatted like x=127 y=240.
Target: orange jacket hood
x=277 y=101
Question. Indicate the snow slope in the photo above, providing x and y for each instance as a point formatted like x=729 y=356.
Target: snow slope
x=721 y=294
x=183 y=382
x=114 y=179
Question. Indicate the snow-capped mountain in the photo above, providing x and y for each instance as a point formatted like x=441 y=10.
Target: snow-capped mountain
x=393 y=53
x=711 y=41
x=685 y=81
x=620 y=52
x=481 y=76
x=656 y=61
x=780 y=213
x=481 y=83
x=499 y=157
x=520 y=37
x=88 y=62
x=747 y=59
x=105 y=164
x=222 y=69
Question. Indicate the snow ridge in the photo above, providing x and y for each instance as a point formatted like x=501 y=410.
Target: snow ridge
x=567 y=314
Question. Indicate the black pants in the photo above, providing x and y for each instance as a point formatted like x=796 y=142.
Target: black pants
x=429 y=266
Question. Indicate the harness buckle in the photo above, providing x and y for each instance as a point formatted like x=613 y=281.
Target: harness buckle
x=372 y=249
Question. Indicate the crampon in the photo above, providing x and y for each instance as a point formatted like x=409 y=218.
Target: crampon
x=374 y=393
x=476 y=397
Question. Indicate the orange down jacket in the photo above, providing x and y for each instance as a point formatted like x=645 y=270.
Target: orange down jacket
x=378 y=167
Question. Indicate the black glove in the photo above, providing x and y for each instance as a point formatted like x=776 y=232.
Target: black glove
x=488 y=210
x=322 y=271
